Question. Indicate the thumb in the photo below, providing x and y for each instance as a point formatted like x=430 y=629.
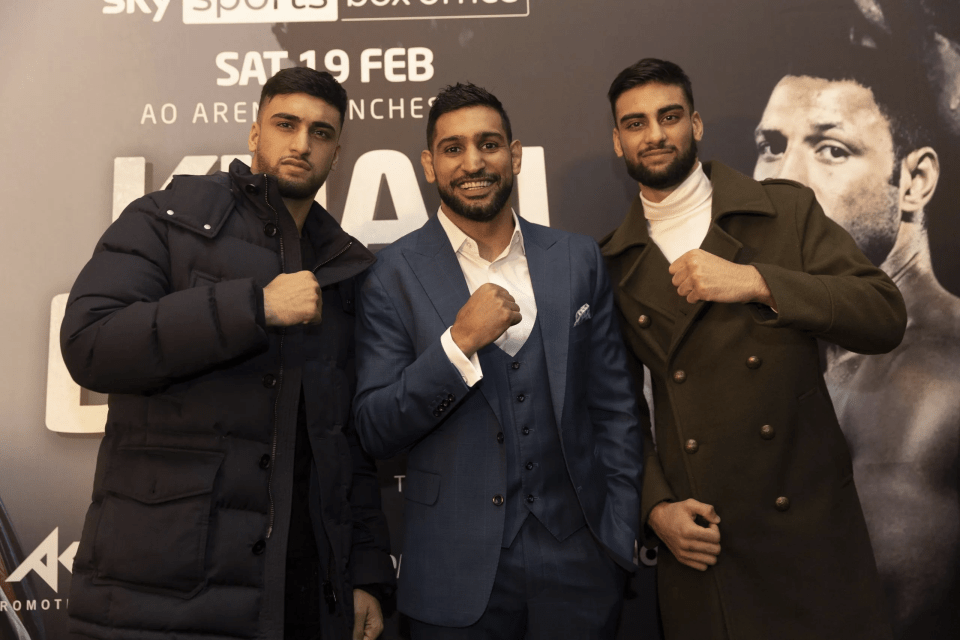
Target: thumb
x=705 y=510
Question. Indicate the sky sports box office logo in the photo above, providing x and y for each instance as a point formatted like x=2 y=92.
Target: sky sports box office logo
x=271 y=11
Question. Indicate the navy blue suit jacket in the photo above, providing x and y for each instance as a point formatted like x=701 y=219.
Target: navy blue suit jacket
x=456 y=465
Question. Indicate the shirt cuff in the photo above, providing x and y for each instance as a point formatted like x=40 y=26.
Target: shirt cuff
x=469 y=368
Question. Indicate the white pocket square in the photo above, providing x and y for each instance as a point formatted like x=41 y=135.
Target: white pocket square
x=583 y=314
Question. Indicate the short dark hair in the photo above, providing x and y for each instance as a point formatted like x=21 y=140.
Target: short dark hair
x=460 y=96
x=646 y=71
x=318 y=84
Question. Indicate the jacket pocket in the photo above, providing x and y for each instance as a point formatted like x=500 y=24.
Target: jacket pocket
x=422 y=486
x=201 y=279
x=154 y=519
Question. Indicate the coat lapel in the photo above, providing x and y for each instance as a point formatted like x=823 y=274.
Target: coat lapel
x=436 y=266
x=549 y=264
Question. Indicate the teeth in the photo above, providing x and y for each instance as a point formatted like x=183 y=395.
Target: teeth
x=480 y=184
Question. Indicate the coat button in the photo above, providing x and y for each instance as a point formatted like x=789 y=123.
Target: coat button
x=498 y=500
x=264 y=461
x=258 y=547
x=643 y=321
x=529 y=466
x=521 y=398
x=269 y=229
x=754 y=362
x=436 y=413
x=530 y=499
x=679 y=376
x=515 y=366
x=451 y=397
x=269 y=381
x=526 y=431
x=691 y=446
x=782 y=503
x=445 y=404
x=250 y=188
x=500 y=437
x=767 y=432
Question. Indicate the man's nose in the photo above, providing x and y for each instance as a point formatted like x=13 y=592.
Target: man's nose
x=655 y=134
x=473 y=160
x=300 y=142
x=792 y=166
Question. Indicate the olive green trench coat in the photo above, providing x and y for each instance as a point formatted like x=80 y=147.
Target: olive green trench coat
x=743 y=420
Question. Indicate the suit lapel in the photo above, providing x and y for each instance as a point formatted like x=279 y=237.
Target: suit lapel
x=436 y=266
x=549 y=265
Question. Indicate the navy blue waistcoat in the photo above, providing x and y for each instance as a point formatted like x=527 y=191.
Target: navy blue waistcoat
x=537 y=478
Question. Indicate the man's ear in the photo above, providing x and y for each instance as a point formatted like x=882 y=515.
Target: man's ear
x=254 y=137
x=336 y=159
x=516 y=155
x=919 y=173
x=616 y=143
x=697 y=126
x=426 y=161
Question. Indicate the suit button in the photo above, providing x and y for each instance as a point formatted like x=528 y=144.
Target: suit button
x=436 y=413
x=767 y=432
x=782 y=503
x=269 y=381
x=445 y=404
x=691 y=446
x=451 y=397
x=440 y=408
x=754 y=362
x=530 y=499
x=529 y=466
x=500 y=437
x=679 y=376
x=264 y=461
x=269 y=229
x=515 y=366
x=258 y=547
x=526 y=431
x=250 y=188
x=521 y=398
x=498 y=500
x=643 y=321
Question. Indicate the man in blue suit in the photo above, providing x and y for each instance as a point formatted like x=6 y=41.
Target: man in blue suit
x=488 y=348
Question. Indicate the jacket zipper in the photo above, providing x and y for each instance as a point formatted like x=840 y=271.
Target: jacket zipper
x=276 y=402
x=334 y=256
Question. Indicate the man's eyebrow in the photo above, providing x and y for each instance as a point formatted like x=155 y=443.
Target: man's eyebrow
x=480 y=136
x=289 y=117
x=660 y=112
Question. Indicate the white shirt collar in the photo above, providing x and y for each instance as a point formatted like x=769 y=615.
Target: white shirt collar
x=464 y=244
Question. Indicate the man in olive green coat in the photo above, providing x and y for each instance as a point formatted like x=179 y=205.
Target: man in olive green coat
x=724 y=285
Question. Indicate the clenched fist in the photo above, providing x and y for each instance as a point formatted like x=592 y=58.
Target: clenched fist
x=700 y=275
x=292 y=298
x=489 y=312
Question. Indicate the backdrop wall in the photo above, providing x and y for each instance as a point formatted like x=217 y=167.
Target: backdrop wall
x=104 y=100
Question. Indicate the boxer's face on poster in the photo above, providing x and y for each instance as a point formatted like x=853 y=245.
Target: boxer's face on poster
x=656 y=134
x=472 y=162
x=295 y=139
x=832 y=137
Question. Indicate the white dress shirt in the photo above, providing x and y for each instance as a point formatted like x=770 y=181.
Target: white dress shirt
x=510 y=271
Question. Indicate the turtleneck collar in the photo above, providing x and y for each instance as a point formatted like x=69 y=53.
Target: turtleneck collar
x=691 y=194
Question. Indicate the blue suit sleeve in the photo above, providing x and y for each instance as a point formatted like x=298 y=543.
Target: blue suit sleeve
x=402 y=395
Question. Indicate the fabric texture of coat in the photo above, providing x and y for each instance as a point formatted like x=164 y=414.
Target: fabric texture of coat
x=410 y=397
x=187 y=533
x=743 y=420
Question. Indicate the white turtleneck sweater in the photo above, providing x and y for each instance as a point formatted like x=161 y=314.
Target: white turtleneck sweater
x=681 y=221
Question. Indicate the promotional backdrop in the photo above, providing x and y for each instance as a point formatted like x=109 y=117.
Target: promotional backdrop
x=105 y=100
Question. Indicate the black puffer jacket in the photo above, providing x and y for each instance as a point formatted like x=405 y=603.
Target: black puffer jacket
x=186 y=537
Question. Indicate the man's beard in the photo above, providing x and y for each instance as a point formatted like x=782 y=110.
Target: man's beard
x=304 y=189
x=671 y=175
x=478 y=212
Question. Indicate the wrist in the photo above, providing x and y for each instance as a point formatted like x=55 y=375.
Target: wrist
x=461 y=342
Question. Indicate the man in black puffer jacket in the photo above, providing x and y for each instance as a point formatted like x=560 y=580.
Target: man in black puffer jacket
x=231 y=499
